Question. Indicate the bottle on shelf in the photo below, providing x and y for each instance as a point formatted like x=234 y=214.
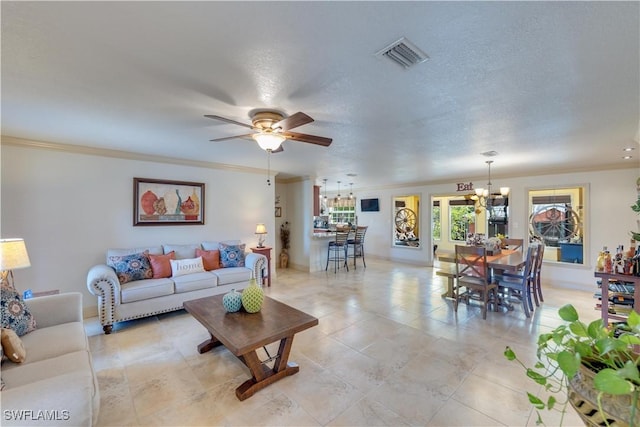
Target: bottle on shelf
x=632 y=249
x=608 y=262
x=600 y=260
x=618 y=261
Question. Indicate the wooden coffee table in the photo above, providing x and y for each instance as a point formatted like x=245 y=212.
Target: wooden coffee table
x=243 y=333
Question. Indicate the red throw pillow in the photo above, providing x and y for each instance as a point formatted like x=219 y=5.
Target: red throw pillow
x=210 y=259
x=160 y=264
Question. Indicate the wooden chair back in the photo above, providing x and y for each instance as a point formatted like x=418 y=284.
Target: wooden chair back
x=471 y=263
x=513 y=244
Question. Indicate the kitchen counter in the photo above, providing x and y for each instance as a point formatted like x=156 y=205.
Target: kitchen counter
x=320 y=233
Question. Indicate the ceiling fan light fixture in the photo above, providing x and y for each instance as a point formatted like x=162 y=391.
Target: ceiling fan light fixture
x=268 y=140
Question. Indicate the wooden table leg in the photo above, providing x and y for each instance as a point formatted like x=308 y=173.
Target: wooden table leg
x=262 y=374
x=208 y=345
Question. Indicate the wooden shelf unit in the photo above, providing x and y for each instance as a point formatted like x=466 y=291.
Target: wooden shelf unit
x=606 y=277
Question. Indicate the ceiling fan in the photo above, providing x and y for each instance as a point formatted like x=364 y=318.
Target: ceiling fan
x=271 y=129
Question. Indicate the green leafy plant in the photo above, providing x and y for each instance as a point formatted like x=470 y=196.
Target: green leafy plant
x=608 y=351
x=636 y=209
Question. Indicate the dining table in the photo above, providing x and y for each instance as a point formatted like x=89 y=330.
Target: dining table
x=506 y=260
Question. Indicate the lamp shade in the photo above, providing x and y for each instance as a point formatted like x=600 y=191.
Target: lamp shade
x=261 y=229
x=13 y=254
x=268 y=140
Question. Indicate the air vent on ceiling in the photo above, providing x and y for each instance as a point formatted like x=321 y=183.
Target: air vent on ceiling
x=403 y=53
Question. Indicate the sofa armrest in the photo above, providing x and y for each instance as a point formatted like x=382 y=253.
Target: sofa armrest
x=103 y=282
x=56 y=309
x=257 y=263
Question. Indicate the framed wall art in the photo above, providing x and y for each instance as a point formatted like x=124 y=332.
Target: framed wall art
x=164 y=202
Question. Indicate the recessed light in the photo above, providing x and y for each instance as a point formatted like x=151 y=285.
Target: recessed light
x=628 y=149
x=628 y=157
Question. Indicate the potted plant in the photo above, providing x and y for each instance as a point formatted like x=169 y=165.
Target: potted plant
x=592 y=367
x=284 y=239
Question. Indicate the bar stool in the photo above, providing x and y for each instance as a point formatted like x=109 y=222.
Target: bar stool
x=357 y=245
x=337 y=251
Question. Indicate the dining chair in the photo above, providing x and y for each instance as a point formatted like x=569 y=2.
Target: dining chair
x=357 y=245
x=536 y=282
x=519 y=285
x=472 y=273
x=513 y=244
x=337 y=251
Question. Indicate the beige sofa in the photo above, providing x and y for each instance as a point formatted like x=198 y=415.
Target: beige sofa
x=56 y=384
x=141 y=298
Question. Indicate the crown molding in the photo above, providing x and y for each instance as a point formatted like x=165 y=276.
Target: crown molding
x=121 y=154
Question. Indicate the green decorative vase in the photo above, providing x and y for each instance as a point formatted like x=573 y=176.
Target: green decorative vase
x=232 y=301
x=252 y=297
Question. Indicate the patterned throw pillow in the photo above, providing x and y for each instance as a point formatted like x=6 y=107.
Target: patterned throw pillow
x=232 y=255
x=160 y=264
x=15 y=313
x=131 y=267
x=210 y=259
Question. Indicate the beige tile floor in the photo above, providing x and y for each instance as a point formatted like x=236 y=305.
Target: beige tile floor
x=388 y=351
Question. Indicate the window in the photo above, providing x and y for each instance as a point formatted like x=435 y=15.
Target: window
x=462 y=219
x=498 y=220
x=342 y=211
x=436 y=226
x=557 y=217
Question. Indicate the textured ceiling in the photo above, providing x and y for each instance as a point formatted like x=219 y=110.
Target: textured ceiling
x=550 y=86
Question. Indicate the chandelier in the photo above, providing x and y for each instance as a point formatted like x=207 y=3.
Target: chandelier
x=483 y=196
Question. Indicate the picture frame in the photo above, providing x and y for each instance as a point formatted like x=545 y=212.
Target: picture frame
x=167 y=202
x=278 y=211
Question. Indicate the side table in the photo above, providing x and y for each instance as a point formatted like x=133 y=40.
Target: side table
x=266 y=251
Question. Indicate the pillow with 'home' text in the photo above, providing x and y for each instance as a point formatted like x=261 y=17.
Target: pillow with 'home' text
x=180 y=267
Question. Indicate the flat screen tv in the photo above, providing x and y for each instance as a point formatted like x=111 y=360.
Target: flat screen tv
x=369 y=205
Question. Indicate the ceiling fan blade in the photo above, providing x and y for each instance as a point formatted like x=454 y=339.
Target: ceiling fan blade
x=293 y=121
x=230 y=137
x=312 y=139
x=224 y=119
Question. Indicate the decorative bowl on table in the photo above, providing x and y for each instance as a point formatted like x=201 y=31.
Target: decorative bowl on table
x=493 y=246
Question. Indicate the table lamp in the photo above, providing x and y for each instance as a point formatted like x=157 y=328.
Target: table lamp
x=13 y=255
x=261 y=230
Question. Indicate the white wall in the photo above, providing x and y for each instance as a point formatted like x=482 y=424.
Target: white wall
x=609 y=218
x=71 y=207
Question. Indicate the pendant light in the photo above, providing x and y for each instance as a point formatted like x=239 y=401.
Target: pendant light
x=483 y=195
x=351 y=191
x=325 y=190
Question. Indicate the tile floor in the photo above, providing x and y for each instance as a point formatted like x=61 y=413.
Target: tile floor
x=388 y=351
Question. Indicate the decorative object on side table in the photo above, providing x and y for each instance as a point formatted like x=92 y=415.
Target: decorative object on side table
x=261 y=231
x=593 y=367
x=232 y=301
x=252 y=297
x=13 y=255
